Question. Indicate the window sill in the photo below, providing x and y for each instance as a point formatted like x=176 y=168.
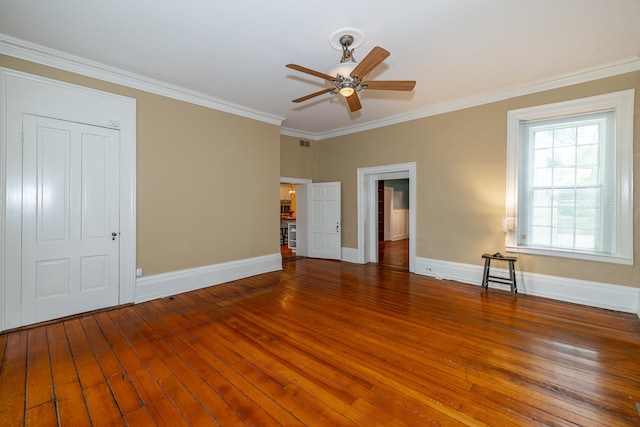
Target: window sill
x=611 y=259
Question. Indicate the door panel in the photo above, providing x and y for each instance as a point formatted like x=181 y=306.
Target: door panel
x=70 y=210
x=52 y=165
x=324 y=221
x=95 y=191
x=94 y=272
x=52 y=278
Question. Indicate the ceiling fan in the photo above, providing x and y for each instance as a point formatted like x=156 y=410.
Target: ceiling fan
x=349 y=77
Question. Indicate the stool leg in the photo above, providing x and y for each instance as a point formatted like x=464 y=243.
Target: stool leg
x=485 y=274
x=512 y=275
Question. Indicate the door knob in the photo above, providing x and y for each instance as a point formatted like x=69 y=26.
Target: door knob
x=113 y=235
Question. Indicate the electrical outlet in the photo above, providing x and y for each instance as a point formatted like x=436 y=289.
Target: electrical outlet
x=138 y=272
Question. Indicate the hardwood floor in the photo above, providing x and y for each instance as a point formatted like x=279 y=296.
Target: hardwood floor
x=328 y=343
x=286 y=253
x=394 y=253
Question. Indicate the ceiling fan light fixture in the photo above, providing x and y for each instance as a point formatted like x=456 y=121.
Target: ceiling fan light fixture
x=343 y=69
x=344 y=84
x=346 y=91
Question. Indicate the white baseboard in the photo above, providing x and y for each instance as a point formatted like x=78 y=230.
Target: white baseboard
x=162 y=285
x=595 y=294
x=350 y=255
x=399 y=237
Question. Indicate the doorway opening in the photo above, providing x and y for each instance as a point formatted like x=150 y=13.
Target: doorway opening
x=393 y=223
x=288 y=226
x=368 y=229
x=293 y=218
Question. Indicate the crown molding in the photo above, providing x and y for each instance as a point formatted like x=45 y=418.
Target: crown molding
x=22 y=49
x=626 y=65
x=285 y=131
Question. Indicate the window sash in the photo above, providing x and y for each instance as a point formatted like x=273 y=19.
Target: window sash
x=550 y=165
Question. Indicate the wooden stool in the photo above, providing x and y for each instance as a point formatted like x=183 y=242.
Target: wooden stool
x=487 y=277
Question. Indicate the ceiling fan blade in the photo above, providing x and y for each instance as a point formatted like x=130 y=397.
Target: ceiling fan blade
x=312 y=95
x=390 y=84
x=354 y=102
x=371 y=61
x=310 y=71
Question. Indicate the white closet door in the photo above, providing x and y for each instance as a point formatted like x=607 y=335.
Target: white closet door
x=70 y=218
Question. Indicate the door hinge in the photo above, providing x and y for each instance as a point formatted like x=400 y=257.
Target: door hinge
x=22 y=138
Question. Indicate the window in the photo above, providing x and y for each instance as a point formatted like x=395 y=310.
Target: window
x=569 y=173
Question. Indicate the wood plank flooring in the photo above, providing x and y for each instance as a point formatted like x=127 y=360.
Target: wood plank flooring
x=325 y=343
x=287 y=254
x=394 y=253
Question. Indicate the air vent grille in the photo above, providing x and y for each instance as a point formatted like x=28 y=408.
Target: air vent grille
x=305 y=143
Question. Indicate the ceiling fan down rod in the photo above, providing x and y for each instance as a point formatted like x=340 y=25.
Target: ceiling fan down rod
x=347 y=54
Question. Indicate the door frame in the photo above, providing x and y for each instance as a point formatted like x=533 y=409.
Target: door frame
x=388 y=206
x=368 y=209
x=301 y=211
x=23 y=93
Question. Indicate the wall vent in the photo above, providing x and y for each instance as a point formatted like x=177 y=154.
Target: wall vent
x=305 y=143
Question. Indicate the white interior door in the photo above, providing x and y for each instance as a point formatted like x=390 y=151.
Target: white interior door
x=324 y=221
x=70 y=218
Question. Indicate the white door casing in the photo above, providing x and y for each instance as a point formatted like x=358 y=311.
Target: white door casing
x=324 y=220
x=368 y=208
x=20 y=94
x=388 y=204
x=70 y=212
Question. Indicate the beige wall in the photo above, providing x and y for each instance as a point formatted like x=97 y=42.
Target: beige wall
x=297 y=161
x=207 y=181
x=461 y=179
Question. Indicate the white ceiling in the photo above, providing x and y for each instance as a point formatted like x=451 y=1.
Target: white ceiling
x=235 y=52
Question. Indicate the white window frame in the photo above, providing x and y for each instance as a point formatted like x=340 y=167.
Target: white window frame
x=623 y=104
